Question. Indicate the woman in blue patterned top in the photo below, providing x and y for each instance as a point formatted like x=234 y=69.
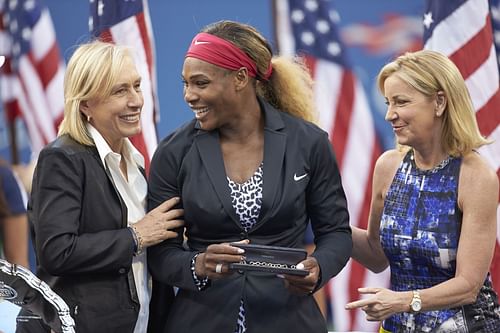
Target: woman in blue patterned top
x=433 y=212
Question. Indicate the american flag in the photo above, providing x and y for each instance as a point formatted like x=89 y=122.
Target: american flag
x=309 y=28
x=31 y=81
x=127 y=22
x=462 y=29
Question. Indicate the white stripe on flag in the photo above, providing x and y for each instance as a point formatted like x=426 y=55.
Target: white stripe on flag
x=43 y=36
x=5 y=43
x=286 y=40
x=484 y=82
x=326 y=92
x=454 y=28
x=54 y=93
x=10 y=88
x=491 y=152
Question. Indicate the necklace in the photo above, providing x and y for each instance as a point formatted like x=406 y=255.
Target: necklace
x=438 y=167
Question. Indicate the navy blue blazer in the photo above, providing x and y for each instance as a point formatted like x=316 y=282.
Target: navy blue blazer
x=301 y=183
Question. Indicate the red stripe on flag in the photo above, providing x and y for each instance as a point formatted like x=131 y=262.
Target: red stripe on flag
x=7 y=66
x=462 y=57
x=311 y=64
x=106 y=36
x=12 y=110
x=344 y=109
x=488 y=117
x=48 y=66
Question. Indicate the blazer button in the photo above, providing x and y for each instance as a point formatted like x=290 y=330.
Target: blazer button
x=122 y=270
x=243 y=235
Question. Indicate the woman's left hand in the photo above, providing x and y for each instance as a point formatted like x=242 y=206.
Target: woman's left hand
x=382 y=304
x=304 y=285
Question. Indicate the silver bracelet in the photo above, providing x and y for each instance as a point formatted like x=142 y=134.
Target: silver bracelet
x=137 y=240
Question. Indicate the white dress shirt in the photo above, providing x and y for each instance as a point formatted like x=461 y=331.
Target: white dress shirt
x=133 y=193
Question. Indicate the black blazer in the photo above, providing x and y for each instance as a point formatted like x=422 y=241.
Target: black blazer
x=189 y=163
x=84 y=250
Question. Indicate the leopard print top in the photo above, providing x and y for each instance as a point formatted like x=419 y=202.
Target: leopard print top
x=246 y=200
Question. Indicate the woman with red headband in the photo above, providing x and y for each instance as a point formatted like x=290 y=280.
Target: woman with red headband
x=250 y=168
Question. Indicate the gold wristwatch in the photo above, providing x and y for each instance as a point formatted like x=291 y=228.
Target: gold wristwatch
x=416 y=302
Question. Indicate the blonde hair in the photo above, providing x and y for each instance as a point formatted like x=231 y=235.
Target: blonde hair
x=430 y=72
x=91 y=73
x=289 y=88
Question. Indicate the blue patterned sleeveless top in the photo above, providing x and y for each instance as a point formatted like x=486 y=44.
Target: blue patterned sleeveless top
x=419 y=232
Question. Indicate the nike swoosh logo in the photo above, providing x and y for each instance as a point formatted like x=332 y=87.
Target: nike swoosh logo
x=197 y=42
x=297 y=178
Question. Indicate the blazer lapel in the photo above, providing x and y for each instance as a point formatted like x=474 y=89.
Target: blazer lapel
x=274 y=152
x=208 y=147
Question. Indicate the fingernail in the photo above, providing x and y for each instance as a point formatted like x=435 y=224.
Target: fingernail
x=281 y=276
x=300 y=266
x=240 y=251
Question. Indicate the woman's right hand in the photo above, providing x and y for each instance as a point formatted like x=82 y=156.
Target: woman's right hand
x=214 y=262
x=157 y=225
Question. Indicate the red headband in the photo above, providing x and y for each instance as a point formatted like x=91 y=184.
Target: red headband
x=220 y=52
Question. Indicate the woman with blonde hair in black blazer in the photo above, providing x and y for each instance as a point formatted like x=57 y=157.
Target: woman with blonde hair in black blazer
x=88 y=199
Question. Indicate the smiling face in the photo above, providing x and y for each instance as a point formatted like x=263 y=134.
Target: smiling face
x=209 y=92
x=117 y=116
x=413 y=115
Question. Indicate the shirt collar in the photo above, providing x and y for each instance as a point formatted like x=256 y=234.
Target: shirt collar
x=104 y=149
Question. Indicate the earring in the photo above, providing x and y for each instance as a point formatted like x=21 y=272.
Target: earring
x=88 y=118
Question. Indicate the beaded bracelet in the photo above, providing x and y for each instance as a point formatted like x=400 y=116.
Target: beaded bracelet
x=201 y=283
x=138 y=240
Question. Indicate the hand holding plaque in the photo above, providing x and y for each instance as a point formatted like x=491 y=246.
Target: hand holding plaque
x=272 y=259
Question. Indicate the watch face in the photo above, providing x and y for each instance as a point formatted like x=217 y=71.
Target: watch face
x=416 y=305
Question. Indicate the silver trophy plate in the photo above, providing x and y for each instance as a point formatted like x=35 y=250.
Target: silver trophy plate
x=19 y=286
